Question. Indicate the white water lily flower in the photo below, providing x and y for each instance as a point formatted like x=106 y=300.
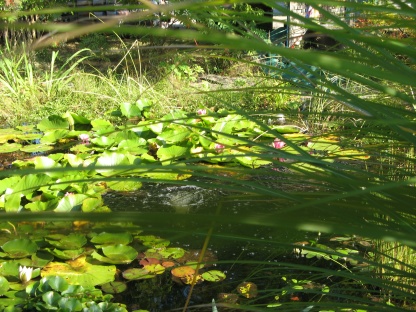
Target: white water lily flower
x=25 y=273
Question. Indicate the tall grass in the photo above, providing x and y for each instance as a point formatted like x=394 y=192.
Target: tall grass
x=372 y=109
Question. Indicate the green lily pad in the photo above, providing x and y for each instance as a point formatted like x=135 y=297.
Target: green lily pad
x=105 y=238
x=114 y=287
x=92 y=204
x=4 y=285
x=55 y=282
x=80 y=272
x=132 y=146
x=19 y=248
x=117 y=254
x=130 y=110
x=41 y=258
x=103 y=141
x=172 y=152
x=10 y=268
x=67 y=254
x=53 y=122
x=53 y=136
x=102 y=126
x=213 y=276
x=137 y=274
x=29 y=136
x=172 y=252
x=36 y=148
x=70 y=202
x=153 y=241
x=72 y=241
x=10 y=147
x=124 y=185
x=111 y=159
x=174 y=136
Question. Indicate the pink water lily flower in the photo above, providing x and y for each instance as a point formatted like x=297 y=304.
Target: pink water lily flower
x=277 y=143
x=85 y=138
x=201 y=111
x=219 y=148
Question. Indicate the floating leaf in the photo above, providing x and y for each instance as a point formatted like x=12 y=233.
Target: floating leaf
x=54 y=136
x=213 y=276
x=111 y=159
x=8 y=134
x=172 y=152
x=114 y=287
x=10 y=147
x=172 y=252
x=80 y=272
x=155 y=268
x=72 y=241
x=130 y=110
x=105 y=238
x=137 y=274
x=70 y=202
x=4 y=285
x=247 y=290
x=69 y=254
x=121 y=253
x=36 y=148
x=53 y=122
x=183 y=271
x=19 y=248
x=174 y=136
x=124 y=185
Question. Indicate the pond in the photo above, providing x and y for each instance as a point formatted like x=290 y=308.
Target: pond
x=164 y=214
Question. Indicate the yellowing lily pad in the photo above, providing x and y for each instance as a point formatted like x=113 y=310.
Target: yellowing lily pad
x=10 y=147
x=183 y=271
x=80 y=272
x=247 y=290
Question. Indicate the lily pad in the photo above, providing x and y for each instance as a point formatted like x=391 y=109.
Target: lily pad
x=53 y=122
x=118 y=254
x=66 y=254
x=105 y=238
x=80 y=272
x=124 y=185
x=171 y=153
x=137 y=274
x=70 y=202
x=72 y=241
x=114 y=287
x=4 y=285
x=19 y=248
x=247 y=290
x=183 y=271
x=213 y=276
x=36 y=148
x=10 y=147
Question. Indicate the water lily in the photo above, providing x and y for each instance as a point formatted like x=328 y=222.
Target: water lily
x=277 y=143
x=85 y=138
x=25 y=273
x=219 y=148
x=201 y=111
